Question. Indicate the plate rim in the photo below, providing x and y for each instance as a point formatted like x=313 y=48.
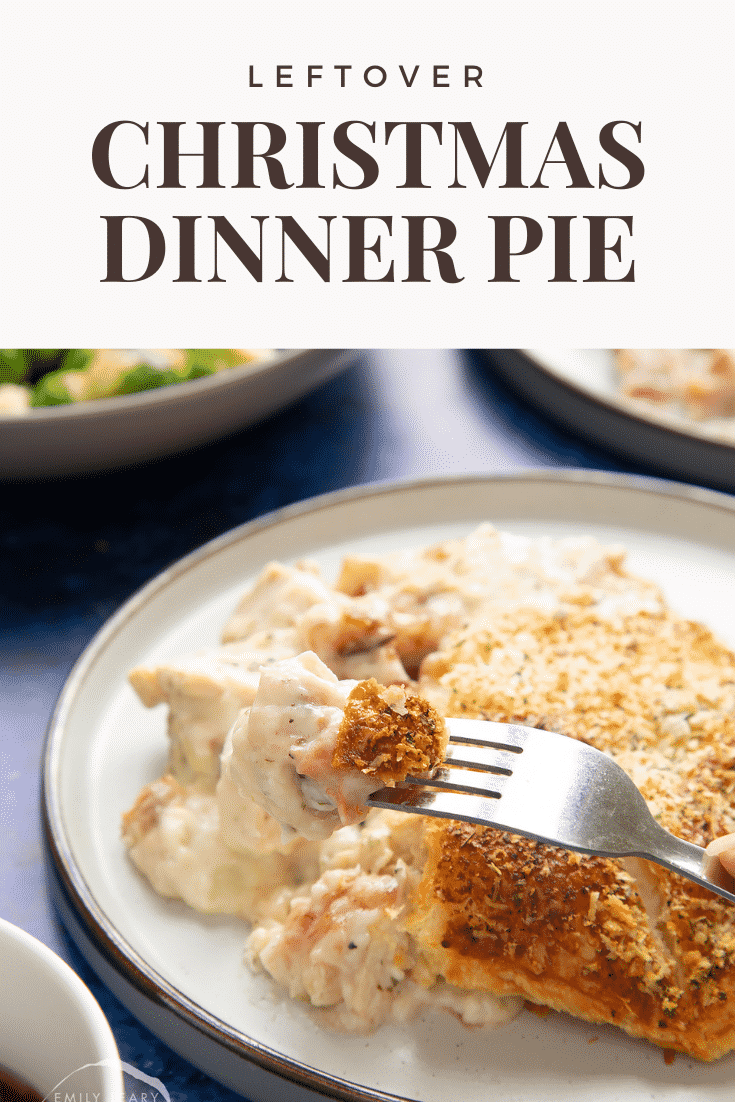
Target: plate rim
x=76 y=893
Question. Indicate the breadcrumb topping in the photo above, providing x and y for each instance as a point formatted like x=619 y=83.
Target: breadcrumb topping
x=577 y=933
x=389 y=734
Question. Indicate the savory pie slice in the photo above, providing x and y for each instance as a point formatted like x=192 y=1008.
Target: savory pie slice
x=374 y=920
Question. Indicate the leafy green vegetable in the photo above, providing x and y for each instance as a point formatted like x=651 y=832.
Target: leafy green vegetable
x=59 y=376
x=145 y=377
x=76 y=359
x=13 y=365
x=43 y=353
x=53 y=389
x=197 y=369
x=206 y=361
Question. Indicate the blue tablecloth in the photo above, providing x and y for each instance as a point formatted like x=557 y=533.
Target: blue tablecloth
x=72 y=551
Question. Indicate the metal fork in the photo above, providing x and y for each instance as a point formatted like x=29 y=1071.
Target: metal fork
x=553 y=789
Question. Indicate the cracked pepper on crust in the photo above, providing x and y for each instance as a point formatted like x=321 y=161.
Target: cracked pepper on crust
x=624 y=942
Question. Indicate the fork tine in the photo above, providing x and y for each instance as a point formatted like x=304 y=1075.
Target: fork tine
x=472 y=756
x=483 y=732
x=559 y=791
x=466 y=780
x=445 y=805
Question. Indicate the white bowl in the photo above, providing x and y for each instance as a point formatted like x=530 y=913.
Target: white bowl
x=51 y=1028
x=132 y=428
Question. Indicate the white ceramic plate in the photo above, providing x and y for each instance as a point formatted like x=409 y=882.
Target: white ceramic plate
x=578 y=388
x=182 y=973
x=133 y=428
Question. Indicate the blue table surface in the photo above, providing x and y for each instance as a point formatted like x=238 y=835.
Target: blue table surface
x=72 y=551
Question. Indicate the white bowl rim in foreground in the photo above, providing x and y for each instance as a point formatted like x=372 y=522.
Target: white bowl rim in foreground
x=50 y=971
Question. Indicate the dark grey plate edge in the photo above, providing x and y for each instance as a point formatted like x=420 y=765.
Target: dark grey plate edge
x=669 y=451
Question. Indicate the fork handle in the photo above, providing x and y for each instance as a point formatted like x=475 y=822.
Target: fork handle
x=691 y=861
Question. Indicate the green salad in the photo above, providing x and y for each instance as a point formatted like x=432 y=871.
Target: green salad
x=34 y=377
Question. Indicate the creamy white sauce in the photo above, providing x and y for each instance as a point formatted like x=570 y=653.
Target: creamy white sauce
x=328 y=913
x=281 y=750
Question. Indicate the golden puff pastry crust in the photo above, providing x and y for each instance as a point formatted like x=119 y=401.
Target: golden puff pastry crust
x=623 y=942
